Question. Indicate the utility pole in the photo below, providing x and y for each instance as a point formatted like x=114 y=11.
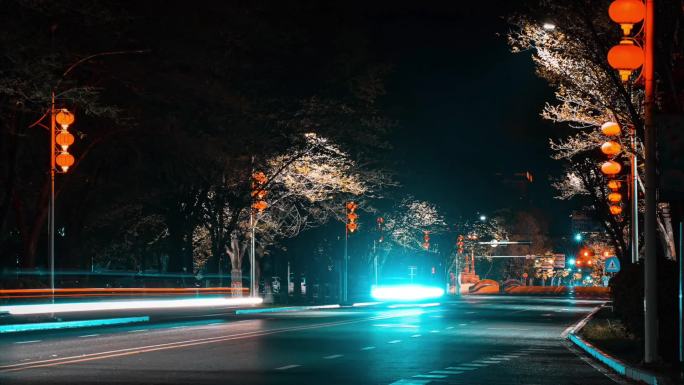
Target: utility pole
x=650 y=262
x=635 y=200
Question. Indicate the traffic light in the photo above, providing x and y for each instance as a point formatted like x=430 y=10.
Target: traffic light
x=259 y=193
x=64 y=139
x=351 y=217
x=426 y=240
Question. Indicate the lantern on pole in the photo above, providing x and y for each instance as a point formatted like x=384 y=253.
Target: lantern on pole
x=459 y=244
x=615 y=209
x=611 y=148
x=64 y=118
x=352 y=216
x=611 y=167
x=610 y=129
x=626 y=57
x=627 y=13
x=259 y=193
x=426 y=240
x=614 y=185
x=64 y=160
x=614 y=197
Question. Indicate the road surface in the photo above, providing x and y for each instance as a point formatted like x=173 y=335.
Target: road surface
x=475 y=340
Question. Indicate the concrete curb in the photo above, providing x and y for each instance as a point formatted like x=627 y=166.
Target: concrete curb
x=615 y=364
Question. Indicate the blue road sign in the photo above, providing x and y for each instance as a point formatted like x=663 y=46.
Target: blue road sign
x=612 y=264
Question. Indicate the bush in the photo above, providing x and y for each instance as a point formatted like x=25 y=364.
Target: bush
x=627 y=289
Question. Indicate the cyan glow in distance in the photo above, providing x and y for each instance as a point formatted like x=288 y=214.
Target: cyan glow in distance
x=578 y=237
x=571 y=262
x=128 y=305
x=406 y=292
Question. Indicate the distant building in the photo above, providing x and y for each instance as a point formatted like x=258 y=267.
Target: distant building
x=581 y=223
x=517 y=185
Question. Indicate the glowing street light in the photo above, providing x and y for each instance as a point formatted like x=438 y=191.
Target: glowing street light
x=578 y=237
x=549 y=26
x=483 y=218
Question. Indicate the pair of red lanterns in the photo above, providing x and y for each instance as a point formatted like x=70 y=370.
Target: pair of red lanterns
x=626 y=56
x=64 y=139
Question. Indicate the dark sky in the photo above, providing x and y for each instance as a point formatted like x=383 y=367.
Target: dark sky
x=467 y=107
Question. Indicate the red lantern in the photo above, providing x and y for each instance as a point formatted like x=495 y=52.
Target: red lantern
x=352 y=227
x=627 y=13
x=64 y=118
x=65 y=160
x=260 y=206
x=615 y=210
x=614 y=197
x=625 y=57
x=614 y=185
x=64 y=139
x=610 y=129
x=611 y=167
x=610 y=148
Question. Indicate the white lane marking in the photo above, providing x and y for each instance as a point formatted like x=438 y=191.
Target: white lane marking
x=501 y=358
x=415 y=336
x=429 y=376
x=332 y=356
x=215 y=323
x=462 y=324
x=434 y=331
x=410 y=382
x=88 y=335
x=368 y=348
x=26 y=342
x=450 y=327
x=471 y=312
x=178 y=327
x=460 y=368
x=445 y=372
x=138 y=330
x=286 y=367
x=487 y=361
x=475 y=365
x=394 y=342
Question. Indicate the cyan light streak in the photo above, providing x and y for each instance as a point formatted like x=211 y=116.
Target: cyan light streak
x=128 y=305
x=70 y=324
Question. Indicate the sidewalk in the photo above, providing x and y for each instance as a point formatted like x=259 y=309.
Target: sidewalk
x=602 y=335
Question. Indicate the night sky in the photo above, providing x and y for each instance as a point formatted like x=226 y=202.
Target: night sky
x=467 y=107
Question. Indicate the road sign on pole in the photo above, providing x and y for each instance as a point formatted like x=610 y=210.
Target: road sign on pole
x=612 y=264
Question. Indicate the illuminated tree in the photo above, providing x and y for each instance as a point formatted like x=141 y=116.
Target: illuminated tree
x=572 y=58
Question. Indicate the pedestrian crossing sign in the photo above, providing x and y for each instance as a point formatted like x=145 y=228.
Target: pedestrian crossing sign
x=612 y=264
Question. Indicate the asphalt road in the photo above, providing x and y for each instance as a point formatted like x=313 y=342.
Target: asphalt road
x=478 y=340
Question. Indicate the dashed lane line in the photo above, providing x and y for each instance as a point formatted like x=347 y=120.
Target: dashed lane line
x=27 y=342
x=415 y=336
x=435 y=376
x=368 y=348
x=287 y=367
x=448 y=372
x=138 y=330
x=394 y=342
x=88 y=335
x=461 y=368
x=332 y=356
